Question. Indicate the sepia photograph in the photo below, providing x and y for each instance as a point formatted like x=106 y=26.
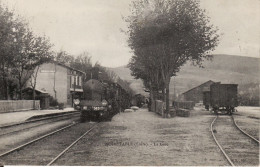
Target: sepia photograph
x=129 y=82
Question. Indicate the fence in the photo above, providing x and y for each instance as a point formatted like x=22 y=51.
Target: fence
x=18 y=105
x=183 y=104
x=181 y=109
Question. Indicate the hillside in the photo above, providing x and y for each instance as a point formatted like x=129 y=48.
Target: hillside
x=224 y=68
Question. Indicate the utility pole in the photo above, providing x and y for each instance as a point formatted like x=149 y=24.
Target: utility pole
x=74 y=85
x=120 y=96
x=174 y=84
x=92 y=83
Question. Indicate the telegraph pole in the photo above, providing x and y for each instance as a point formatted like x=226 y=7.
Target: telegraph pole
x=174 y=91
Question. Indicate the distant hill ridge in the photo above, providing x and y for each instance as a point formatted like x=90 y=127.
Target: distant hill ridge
x=224 y=68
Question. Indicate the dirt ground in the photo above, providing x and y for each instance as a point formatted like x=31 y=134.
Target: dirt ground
x=8 y=142
x=250 y=125
x=144 y=138
x=249 y=111
x=241 y=150
x=43 y=151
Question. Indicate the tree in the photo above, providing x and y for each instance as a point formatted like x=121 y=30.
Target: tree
x=111 y=76
x=29 y=52
x=42 y=53
x=148 y=71
x=33 y=82
x=7 y=23
x=64 y=58
x=175 y=31
x=83 y=62
x=20 y=51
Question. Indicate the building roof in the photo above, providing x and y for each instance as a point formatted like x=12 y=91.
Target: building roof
x=37 y=90
x=66 y=66
x=199 y=86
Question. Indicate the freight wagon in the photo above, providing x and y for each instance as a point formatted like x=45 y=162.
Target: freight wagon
x=206 y=99
x=223 y=97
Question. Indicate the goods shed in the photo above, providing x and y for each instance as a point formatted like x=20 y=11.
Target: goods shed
x=196 y=94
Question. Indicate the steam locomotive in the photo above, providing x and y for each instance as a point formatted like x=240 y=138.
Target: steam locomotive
x=102 y=100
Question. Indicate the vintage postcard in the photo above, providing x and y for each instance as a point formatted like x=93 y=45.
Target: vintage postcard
x=129 y=82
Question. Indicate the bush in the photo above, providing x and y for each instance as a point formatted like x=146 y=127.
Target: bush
x=173 y=112
x=61 y=106
x=183 y=113
x=53 y=102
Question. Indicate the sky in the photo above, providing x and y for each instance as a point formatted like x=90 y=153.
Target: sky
x=93 y=26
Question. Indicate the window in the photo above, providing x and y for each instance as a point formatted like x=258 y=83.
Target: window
x=80 y=82
x=76 y=77
x=71 y=81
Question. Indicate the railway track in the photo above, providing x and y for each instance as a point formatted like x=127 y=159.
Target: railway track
x=22 y=148
x=238 y=147
x=34 y=140
x=26 y=125
x=72 y=144
x=244 y=131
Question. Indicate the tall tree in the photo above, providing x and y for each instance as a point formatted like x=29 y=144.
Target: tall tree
x=20 y=51
x=110 y=76
x=29 y=52
x=176 y=31
x=83 y=62
x=64 y=58
x=7 y=24
x=41 y=54
x=148 y=71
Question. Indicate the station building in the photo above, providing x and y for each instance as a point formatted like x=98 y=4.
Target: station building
x=60 y=81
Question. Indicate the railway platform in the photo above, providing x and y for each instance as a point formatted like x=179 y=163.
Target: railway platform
x=20 y=116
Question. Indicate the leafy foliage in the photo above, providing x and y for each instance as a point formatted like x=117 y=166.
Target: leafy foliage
x=20 y=51
x=164 y=35
x=248 y=94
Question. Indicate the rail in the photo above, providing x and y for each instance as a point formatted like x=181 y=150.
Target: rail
x=72 y=144
x=215 y=139
x=35 y=140
x=248 y=135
